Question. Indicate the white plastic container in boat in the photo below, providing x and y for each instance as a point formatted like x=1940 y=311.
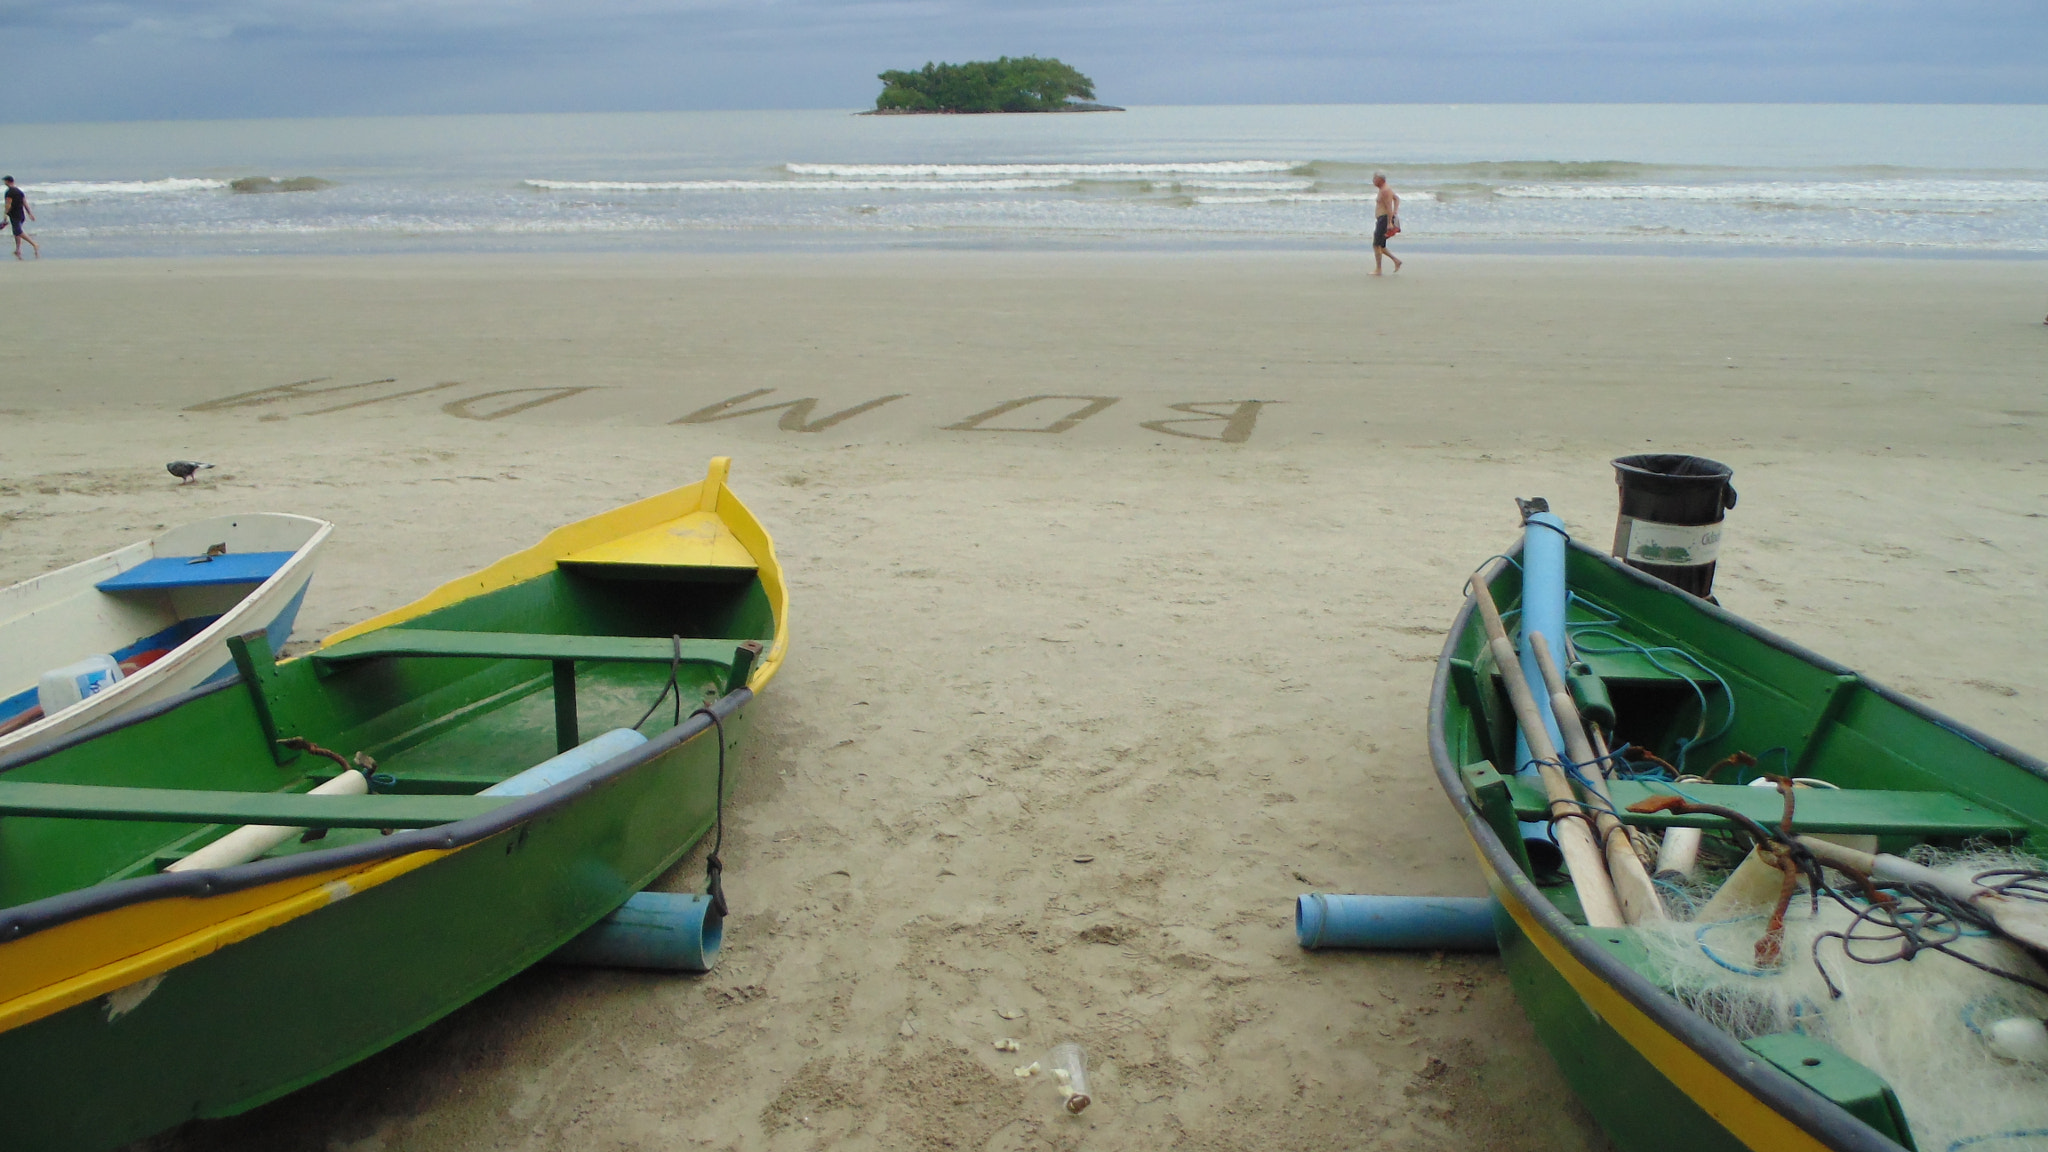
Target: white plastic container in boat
x=60 y=688
x=162 y=610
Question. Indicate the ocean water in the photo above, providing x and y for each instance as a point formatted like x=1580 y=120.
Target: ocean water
x=1840 y=179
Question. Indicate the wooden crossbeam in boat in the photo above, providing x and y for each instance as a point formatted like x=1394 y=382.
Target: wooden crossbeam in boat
x=563 y=651
x=1861 y=810
x=195 y=806
x=387 y=642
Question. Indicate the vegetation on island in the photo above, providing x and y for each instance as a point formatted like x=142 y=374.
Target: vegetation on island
x=1010 y=84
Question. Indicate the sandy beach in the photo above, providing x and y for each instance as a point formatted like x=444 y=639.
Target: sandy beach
x=1117 y=584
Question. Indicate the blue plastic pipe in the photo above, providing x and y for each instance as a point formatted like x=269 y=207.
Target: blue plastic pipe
x=574 y=762
x=674 y=932
x=669 y=931
x=1415 y=923
x=1543 y=605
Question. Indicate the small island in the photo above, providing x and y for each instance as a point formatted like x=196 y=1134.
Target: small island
x=1009 y=84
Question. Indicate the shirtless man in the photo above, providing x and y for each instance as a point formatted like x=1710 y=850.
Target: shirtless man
x=1386 y=207
x=17 y=212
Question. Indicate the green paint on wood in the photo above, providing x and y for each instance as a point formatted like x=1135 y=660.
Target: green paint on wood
x=1938 y=815
x=1827 y=1071
x=426 y=642
x=186 y=805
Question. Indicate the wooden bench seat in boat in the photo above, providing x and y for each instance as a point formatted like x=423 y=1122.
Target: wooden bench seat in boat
x=196 y=806
x=1942 y=815
x=387 y=642
x=563 y=651
x=167 y=572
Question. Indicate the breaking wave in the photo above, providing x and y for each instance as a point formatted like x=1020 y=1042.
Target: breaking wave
x=71 y=191
x=1801 y=192
x=795 y=185
x=1497 y=170
x=1247 y=185
x=1085 y=171
x=1285 y=197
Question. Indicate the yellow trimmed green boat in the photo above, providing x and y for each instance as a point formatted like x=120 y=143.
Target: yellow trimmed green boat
x=147 y=977
x=1696 y=686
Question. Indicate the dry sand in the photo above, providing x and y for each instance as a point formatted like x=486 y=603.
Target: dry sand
x=1202 y=663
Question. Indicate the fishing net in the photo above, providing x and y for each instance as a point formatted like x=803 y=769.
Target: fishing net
x=1925 y=1019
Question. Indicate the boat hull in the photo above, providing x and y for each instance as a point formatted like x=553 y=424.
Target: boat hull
x=1580 y=1018
x=60 y=617
x=287 y=1006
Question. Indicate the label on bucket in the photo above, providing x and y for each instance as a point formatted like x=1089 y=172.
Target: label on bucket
x=1682 y=545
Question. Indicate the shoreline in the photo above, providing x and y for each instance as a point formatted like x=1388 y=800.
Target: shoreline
x=772 y=243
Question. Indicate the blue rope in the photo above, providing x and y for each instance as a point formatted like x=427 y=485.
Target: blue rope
x=1700 y=937
x=1784 y=755
x=1624 y=644
x=2015 y=1134
x=1672 y=787
x=1678 y=896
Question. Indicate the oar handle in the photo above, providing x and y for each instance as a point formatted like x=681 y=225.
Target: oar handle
x=1574 y=839
x=1632 y=885
x=1885 y=868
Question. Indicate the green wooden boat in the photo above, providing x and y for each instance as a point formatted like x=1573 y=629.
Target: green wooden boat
x=135 y=995
x=1656 y=1074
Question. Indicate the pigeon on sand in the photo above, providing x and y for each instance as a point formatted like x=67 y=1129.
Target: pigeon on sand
x=183 y=469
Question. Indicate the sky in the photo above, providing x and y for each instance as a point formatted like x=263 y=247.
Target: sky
x=79 y=60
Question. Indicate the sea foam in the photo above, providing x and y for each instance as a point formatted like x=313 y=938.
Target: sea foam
x=1801 y=191
x=795 y=185
x=72 y=191
x=1086 y=171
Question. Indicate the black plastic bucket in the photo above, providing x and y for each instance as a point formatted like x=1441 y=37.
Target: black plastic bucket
x=1671 y=512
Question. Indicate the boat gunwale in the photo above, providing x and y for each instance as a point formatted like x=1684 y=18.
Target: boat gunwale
x=26 y=919
x=1992 y=744
x=1815 y=1114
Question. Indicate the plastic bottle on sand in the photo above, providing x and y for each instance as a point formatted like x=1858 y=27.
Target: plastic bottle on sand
x=1069 y=1064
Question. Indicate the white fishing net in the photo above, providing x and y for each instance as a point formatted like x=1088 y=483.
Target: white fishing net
x=1931 y=1024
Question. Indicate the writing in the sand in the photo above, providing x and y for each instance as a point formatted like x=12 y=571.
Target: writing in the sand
x=328 y=397
x=1045 y=414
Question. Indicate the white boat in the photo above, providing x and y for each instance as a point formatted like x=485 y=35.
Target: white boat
x=162 y=610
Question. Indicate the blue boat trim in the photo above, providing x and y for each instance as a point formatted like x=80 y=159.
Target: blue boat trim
x=170 y=637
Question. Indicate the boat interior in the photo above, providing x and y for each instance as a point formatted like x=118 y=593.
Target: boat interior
x=1704 y=708
x=446 y=704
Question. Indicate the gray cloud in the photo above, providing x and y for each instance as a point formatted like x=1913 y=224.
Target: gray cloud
x=109 y=59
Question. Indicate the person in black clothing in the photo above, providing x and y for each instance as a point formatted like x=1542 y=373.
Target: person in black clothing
x=17 y=211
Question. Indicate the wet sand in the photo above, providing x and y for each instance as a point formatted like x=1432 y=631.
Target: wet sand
x=1143 y=559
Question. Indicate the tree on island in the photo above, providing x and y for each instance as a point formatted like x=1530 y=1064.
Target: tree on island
x=1019 y=84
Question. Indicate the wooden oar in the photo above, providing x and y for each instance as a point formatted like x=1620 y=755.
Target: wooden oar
x=1574 y=838
x=1632 y=886
x=1644 y=851
x=2024 y=921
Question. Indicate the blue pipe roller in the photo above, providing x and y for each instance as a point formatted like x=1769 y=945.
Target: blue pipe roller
x=1543 y=610
x=669 y=931
x=574 y=762
x=1414 y=923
